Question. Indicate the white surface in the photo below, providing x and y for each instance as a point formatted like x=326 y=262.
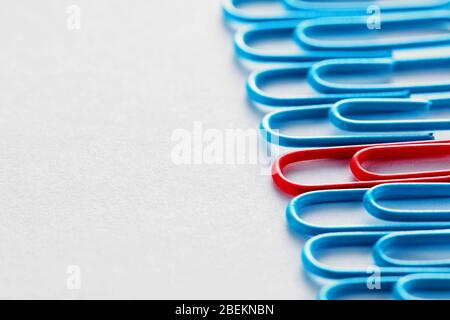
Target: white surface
x=86 y=177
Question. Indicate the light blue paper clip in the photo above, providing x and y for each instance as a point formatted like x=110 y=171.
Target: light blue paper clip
x=391 y=241
x=413 y=286
x=306 y=32
x=297 y=206
x=342 y=288
x=293 y=9
x=350 y=49
x=376 y=194
x=275 y=119
x=257 y=79
x=409 y=287
x=233 y=13
x=244 y=49
x=362 y=7
x=340 y=114
x=375 y=67
x=380 y=242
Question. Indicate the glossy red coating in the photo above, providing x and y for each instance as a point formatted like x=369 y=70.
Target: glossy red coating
x=407 y=152
x=344 y=152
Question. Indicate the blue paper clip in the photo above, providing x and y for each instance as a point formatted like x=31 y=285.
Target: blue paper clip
x=233 y=13
x=273 y=119
x=314 y=245
x=376 y=194
x=297 y=205
x=376 y=66
x=257 y=79
x=340 y=112
x=409 y=287
x=412 y=287
x=351 y=286
x=361 y=7
x=245 y=36
x=307 y=30
x=385 y=244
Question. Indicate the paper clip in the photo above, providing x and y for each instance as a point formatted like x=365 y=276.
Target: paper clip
x=257 y=79
x=361 y=7
x=318 y=72
x=233 y=13
x=276 y=118
x=412 y=287
x=409 y=287
x=385 y=244
x=245 y=36
x=347 y=152
x=352 y=286
x=406 y=151
x=308 y=29
x=374 y=195
x=315 y=245
x=339 y=114
x=297 y=206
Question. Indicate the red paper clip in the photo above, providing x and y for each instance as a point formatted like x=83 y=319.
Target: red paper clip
x=345 y=152
x=398 y=152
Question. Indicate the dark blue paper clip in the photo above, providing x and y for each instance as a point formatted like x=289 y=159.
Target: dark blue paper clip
x=297 y=205
x=361 y=7
x=244 y=37
x=276 y=118
x=340 y=114
x=307 y=31
x=257 y=80
x=413 y=287
x=376 y=194
x=320 y=70
x=314 y=245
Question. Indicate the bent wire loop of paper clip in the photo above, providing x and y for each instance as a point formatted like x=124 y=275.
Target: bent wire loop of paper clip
x=392 y=191
x=409 y=287
x=360 y=7
x=357 y=155
x=331 y=91
x=272 y=121
x=398 y=152
x=302 y=10
x=307 y=31
x=340 y=115
x=233 y=12
x=312 y=49
x=258 y=79
x=318 y=76
x=405 y=219
x=268 y=30
x=382 y=245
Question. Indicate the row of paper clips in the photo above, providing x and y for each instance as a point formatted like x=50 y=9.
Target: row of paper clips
x=319 y=29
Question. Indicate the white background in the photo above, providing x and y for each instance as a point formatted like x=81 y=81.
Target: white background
x=86 y=176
